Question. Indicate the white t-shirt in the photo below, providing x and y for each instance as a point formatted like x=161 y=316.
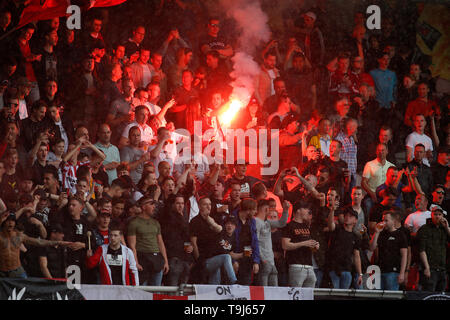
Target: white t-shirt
x=414 y=138
x=146 y=75
x=23 y=112
x=417 y=219
x=375 y=173
x=147 y=134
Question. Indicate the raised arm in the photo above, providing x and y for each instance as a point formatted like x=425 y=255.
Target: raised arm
x=280 y=223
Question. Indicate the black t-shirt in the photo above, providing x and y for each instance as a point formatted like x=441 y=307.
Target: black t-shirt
x=76 y=231
x=101 y=178
x=38 y=173
x=389 y=245
x=336 y=169
x=340 y=251
x=376 y=213
x=208 y=241
x=298 y=232
x=214 y=43
x=245 y=236
x=115 y=260
x=56 y=260
x=227 y=241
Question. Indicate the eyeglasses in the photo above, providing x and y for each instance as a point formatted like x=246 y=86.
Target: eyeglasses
x=214 y=25
x=440 y=192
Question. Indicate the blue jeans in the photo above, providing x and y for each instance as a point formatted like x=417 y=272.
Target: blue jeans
x=389 y=281
x=319 y=276
x=213 y=266
x=341 y=282
x=368 y=202
x=17 y=273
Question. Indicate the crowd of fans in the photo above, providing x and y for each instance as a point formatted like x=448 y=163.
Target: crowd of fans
x=88 y=156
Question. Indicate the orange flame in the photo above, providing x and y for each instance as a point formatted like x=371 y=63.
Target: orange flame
x=227 y=117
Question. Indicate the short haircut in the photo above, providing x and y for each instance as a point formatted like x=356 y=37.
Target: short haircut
x=140 y=107
x=270 y=53
x=203 y=199
x=263 y=202
x=300 y=205
x=248 y=204
x=49 y=169
x=393 y=213
x=278 y=79
x=214 y=54
x=392 y=168
x=117 y=200
x=338 y=142
x=390 y=192
x=323 y=119
x=188 y=71
x=419 y=145
x=258 y=188
x=77 y=198
x=132 y=129
x=38 y=104
x=115 y=226
x=119 y=183
x=83 y=171
x=161 y=130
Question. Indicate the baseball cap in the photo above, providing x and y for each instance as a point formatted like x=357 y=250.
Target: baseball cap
x=142 y=201
x=56 y=228
x=435 y=207
x=311 y=14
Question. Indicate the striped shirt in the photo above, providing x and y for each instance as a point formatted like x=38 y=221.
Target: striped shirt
x=349 y=151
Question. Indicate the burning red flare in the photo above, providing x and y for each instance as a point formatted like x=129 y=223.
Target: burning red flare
x=234 y=105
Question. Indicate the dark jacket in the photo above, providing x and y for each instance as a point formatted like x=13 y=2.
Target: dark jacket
x=433 y=240
x=255 y=244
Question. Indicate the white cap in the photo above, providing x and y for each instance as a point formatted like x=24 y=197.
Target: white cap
x=312 y=15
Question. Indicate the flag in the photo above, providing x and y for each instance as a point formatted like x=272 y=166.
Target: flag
x=106 y=3
x=48 y=9
x=433 y=38
x=238 y=292
x=113 y=292
x=38 y=10
x=36 y=289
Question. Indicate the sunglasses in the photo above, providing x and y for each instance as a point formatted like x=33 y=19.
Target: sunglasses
x=440 y=192
x=214 y=25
